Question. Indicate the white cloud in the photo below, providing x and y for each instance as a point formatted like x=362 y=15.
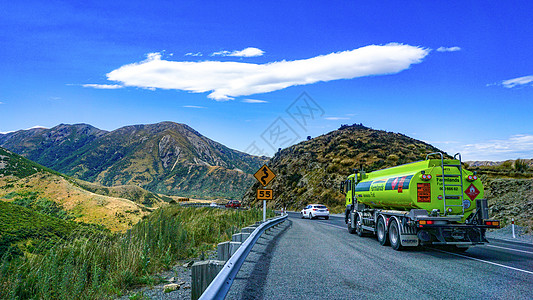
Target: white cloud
x=520 y=81
x=336 y=118
x=36 y=127
x=103 y=86
x=448 y=49
x=226 y=80
x=516 y=146
x=194 y=54
x=193 y=106
x=254 y=101
x=1 y=102
x=248 y=52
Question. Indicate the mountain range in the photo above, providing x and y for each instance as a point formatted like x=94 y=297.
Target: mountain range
x=167 y=158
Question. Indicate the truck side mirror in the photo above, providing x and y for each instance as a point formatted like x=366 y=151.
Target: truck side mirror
x=342 y=187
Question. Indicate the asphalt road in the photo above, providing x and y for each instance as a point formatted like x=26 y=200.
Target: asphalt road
x=319 y=259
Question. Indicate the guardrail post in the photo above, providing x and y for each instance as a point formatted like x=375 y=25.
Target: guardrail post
x=512 y=226
x=239 y=237
x=203 y=272
x=247 y=230
x=226 y=249
x=222 y=282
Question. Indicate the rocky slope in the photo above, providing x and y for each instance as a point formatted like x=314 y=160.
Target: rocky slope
x=514 y=168
x=167 y=158
x=311 y=171
x=31 y=185
x=511 y=198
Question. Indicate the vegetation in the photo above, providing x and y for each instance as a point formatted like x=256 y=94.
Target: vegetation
x=311 y=171
x=33 y=186
x=23 y=230
x=44 y=206
x=16 y=165
x=101 y=265
x=510 y=198
x=519 y=168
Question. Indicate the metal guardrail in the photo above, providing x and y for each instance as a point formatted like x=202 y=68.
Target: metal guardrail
x=220 y=286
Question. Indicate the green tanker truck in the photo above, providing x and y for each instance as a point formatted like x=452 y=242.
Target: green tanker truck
x=429 y=202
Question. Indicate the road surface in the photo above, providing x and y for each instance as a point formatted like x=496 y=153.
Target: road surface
x=319 y=259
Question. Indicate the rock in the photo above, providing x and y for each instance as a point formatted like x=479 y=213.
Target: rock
x=171 y=287
x=186 y=287
x=171 y=279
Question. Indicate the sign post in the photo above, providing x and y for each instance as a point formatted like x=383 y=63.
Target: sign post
x=264 y=175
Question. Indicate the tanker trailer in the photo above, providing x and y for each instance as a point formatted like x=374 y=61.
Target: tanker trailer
x=429 y=202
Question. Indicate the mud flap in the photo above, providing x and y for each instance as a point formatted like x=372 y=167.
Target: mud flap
x=409 y=240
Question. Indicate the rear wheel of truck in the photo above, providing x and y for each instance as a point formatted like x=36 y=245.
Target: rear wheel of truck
x=394 y=236
x=359 y=226
x=350 y=228
x=381 y=233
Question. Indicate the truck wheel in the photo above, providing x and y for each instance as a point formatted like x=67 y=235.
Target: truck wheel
x=350 y=229
x=394 y=236
x=358 y=229
x=383 y=239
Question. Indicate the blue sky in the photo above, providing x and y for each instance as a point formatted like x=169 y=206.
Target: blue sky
x=259 y=76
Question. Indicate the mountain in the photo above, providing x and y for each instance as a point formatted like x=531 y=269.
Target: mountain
x=167 y=158
x=28 y=184
x=513 y=168
x=311 y=171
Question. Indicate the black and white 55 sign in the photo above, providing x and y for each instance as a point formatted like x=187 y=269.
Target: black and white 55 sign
x=264 y=194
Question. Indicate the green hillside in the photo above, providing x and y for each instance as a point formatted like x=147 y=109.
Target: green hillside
x=16 y=165
x=30 y=185
x=24 y=230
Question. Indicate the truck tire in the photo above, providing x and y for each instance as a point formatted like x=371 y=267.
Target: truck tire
x=394 y=235
x=358 y=229
x=350 y=229
x=381 y=232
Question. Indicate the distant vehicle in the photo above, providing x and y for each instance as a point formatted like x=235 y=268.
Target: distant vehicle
x=233 y=204
x=213 y=204
x=313 y=211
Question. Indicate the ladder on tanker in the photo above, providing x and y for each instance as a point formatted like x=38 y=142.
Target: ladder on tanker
x=444 y=185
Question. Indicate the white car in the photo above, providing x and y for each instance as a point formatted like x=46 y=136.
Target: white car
x=313 y=211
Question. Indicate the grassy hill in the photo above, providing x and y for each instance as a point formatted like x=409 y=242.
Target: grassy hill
x=23 y=229
x=167 y=158
x=311 y=171
x=28 y=184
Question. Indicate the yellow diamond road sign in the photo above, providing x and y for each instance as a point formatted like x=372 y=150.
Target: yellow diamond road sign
x=264 y=175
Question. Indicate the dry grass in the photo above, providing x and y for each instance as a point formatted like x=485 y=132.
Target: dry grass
x=117 y=214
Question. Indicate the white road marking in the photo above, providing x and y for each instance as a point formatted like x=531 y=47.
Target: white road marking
x=485 y=261
x=523 y=251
